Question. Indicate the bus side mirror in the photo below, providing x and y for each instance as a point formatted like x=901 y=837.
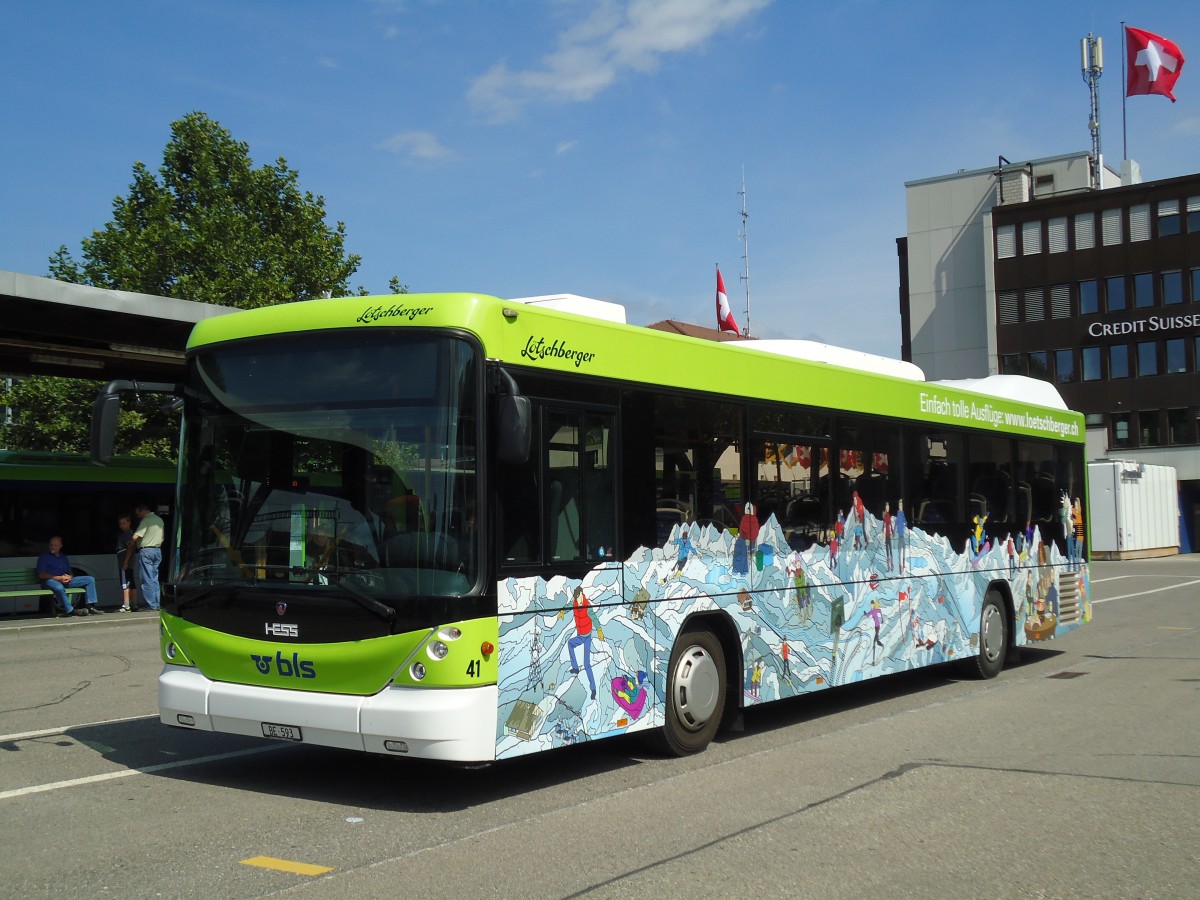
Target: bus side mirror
x=513 y=429
x=107 y=408
x=105 y=411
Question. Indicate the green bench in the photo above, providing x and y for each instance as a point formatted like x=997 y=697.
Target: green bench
x=22 y=591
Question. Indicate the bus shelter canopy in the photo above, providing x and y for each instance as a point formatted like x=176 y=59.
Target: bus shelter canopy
x=55 y=328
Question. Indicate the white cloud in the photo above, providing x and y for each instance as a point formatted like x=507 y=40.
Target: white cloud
x=418 y=145
x=327 y=62
x=616 y=38
x=1188 y=125
x=564 y=147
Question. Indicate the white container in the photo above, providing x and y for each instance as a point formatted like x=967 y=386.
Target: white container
x=1134 y=510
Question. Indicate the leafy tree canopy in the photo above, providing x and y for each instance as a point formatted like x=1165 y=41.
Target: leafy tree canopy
x=211 y=227
x=52 y=414
x=208 y=227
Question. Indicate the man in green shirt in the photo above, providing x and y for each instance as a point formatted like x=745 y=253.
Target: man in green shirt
x=148 y=539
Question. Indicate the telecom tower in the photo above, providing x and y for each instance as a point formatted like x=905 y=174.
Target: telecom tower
x=1091 y=52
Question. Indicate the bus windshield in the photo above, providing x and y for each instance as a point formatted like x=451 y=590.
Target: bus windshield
x=345 y=460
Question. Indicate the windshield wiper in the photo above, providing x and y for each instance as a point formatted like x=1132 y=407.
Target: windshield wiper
x=362 y=598
x=358 y=595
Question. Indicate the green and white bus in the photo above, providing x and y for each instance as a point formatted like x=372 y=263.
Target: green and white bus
x=457 y=527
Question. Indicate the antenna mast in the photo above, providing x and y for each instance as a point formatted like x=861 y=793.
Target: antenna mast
x=1091 y=52
x=744 y=237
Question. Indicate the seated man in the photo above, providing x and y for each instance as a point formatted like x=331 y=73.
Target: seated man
x=54 y=571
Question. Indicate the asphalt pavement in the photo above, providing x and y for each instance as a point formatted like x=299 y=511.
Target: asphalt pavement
x=1075 y=773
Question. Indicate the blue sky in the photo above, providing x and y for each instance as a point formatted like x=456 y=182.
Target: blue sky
x=522 y=148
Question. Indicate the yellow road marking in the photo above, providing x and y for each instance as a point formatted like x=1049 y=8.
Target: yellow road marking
x=286 y=865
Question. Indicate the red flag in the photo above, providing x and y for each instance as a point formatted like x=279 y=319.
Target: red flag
x=1154 y=63
x=725 y=320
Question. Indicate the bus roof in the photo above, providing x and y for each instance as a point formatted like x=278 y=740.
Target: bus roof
x=39 y=465
x=587 y=338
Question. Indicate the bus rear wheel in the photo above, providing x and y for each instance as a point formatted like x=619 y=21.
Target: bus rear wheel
x=695 y=693
x=994 y=626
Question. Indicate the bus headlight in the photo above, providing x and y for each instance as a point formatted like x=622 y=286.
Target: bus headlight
x=171 y=650
x=449 y=633
x=417 y=671
x=438 y=650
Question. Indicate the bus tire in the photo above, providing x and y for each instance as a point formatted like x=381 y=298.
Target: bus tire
x=696 y=690
x=994 y=625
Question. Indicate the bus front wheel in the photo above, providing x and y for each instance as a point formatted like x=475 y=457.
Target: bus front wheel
x=695 y=693
x=994 y=624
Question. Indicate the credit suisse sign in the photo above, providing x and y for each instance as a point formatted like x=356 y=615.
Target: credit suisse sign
x=1144 y=326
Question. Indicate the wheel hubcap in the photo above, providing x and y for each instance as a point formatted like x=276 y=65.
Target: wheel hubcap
x=695 y=688
x=991 y=632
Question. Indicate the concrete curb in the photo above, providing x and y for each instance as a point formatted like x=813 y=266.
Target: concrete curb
x=14 y=630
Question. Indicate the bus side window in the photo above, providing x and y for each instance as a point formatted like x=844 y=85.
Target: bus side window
x=933 y=480
x=519 y=516
x=581 y=497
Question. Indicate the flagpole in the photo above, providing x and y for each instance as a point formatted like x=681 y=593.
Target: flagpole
x=1124 y=93
x=745 y=236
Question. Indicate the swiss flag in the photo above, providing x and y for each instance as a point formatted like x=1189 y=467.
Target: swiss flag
x=1154 y=63
x=725 y=320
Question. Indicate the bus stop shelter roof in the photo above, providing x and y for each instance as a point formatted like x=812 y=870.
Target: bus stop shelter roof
x=50 y=327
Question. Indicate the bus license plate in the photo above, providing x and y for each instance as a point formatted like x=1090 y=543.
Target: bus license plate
x=281 y=732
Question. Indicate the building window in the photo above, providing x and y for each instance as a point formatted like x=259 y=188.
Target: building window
x=1006 y=241
x=1168 y=218
x=1179 y=427
x=1064 y=366
x=1143 y=290
x=1085 y=231
x=1060 y=301
x=1176 y=356
x=1139 y=222
x=1195 y=285
x=1091 y=363
x=1010 y=364
x=1089 y=297
x=1031 y=238
x=1009 y=313
x=1039 y=365
x=1193 y=215
x=1122 y=436
x=1114 y=293
x=1172 y=287
x=1035 y=305
x=1118 y=361
x=1147 y=358
x=1148 y=425
x=1110 y=227
x=1056 y=230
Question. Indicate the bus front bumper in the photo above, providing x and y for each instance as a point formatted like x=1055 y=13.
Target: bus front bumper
x=452 y=724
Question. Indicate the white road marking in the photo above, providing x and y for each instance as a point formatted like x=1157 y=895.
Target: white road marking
x=125 y=773
x=1169 y=587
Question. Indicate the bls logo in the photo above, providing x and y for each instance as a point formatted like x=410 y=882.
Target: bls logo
x=300 y=668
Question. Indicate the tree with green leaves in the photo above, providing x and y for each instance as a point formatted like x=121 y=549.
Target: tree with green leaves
x=211 y=227
x=208 y=227
x=52 y=414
